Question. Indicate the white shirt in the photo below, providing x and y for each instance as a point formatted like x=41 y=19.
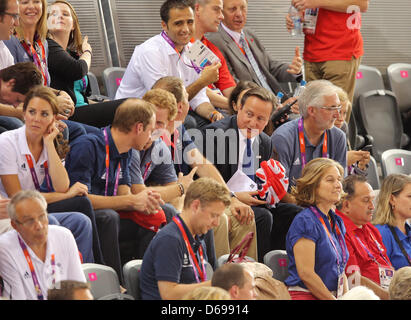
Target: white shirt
x=155 y=59
x=6 y=59
x=15 y=270
x=233 y=34
x=13 y=146
x=242 y=146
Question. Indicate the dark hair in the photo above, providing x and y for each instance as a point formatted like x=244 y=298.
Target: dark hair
x=262 y=94
x=26 y=75
x=3 y=6
x=240 y=87
x=348 y=186
x=64 y=290
x=173 y=4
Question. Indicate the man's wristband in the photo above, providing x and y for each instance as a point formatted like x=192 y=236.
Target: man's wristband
x=180 y=185
x=89 y=51
x=212 y=115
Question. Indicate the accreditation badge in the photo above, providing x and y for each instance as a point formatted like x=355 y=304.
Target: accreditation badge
x=340 y=286
x=386 y=275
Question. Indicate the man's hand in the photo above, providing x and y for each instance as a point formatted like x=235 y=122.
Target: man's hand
x=186 y=180
x=297 y=63
x=304 y=4
x=247 y=198
x=210 y=74
x=147 y=201
x=66 y=105
x=242 y=212
x=358 y=156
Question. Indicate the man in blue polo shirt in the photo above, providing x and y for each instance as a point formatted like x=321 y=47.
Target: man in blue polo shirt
x=101 y=162
x=319 y=108
x=175 y=261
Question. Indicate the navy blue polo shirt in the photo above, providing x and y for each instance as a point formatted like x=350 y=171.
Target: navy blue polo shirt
x=167 y=259
x=86 y=163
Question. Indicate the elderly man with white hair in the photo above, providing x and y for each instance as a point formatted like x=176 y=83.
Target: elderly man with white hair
x=313 y=135
x=34 y=256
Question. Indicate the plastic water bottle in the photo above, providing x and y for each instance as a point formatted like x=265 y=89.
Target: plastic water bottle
x=297 y=30
x=300 y=88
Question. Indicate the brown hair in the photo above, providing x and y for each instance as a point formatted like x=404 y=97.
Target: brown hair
x=45 y=93
x=305 y=188
x=162 y=99
x=207 y=190
x=171 y=84
x=75 y=39
x=133 y=111
x=64 y=290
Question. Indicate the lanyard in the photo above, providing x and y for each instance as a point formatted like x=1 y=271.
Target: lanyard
x=33 y=271
x=117 y=174
x=339 y=236
x=192 y=256
x=170 y=143
x=148 y=165
x=40 y=63
x=302 y=143
x=239 y=47
x=369 y=253
x=34 y=175
x=171 y=43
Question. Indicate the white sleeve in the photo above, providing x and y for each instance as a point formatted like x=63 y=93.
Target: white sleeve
x=8 y=157
x=13 y=284
x=199 y=98
x=74 y=270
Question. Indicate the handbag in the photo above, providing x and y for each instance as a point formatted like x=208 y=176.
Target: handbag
x=238 y=254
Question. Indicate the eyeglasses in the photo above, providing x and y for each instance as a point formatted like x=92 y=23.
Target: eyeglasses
x=15 y=16
x=43 y=219
x=333 y=108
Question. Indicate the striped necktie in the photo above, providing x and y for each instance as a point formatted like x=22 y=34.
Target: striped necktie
x=253 y=63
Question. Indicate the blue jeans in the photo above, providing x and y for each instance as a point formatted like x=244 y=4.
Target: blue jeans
x=80 y=227
x=9 y=123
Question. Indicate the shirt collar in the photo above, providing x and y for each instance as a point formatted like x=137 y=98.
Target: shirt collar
x=196 y=241
x=233 y=34
x=349 y=225
x=114 y=154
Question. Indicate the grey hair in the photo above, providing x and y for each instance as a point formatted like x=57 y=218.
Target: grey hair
x=21 y=196
x=313 y=95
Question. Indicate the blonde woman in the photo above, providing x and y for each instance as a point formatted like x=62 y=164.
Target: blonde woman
x=315 y=241
x=393 y=210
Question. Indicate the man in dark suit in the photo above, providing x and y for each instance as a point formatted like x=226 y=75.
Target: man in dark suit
x=227 y=144
x=246 y=57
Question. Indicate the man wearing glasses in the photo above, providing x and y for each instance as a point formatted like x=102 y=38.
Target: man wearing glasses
x=35 y=256
x=312 y=135
x=9 y=18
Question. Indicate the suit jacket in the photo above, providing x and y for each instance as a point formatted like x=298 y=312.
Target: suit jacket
x=213 y=146
x=239 y=66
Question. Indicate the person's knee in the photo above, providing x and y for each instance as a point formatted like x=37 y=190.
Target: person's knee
x=107 y=216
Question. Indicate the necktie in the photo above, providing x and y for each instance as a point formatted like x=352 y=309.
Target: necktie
x=253 y=63
x=248 y=161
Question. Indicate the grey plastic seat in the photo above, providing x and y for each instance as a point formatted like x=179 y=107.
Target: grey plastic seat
x=399 y=81
x=277 y=261
x=223 y=259
x=131 y=273
x=381 y=119
x=104 y=283
x=373 y=177
x=112 y=77
x=396 y=161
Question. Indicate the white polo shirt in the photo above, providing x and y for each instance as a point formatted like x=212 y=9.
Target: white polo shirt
x=155 y=59
x=6 y=59
x=15 y=270
x=13 y=146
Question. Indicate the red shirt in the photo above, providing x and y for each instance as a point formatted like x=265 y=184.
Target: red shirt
x=358 y=255
x=225 y=80
x=333 y=39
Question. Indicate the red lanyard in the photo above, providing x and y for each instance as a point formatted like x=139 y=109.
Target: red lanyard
x=193 y=258
x=40 y=63
x=34 y=175
x=117 y=174
x=239 y=47
x=302 y=144
x=33 y=271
